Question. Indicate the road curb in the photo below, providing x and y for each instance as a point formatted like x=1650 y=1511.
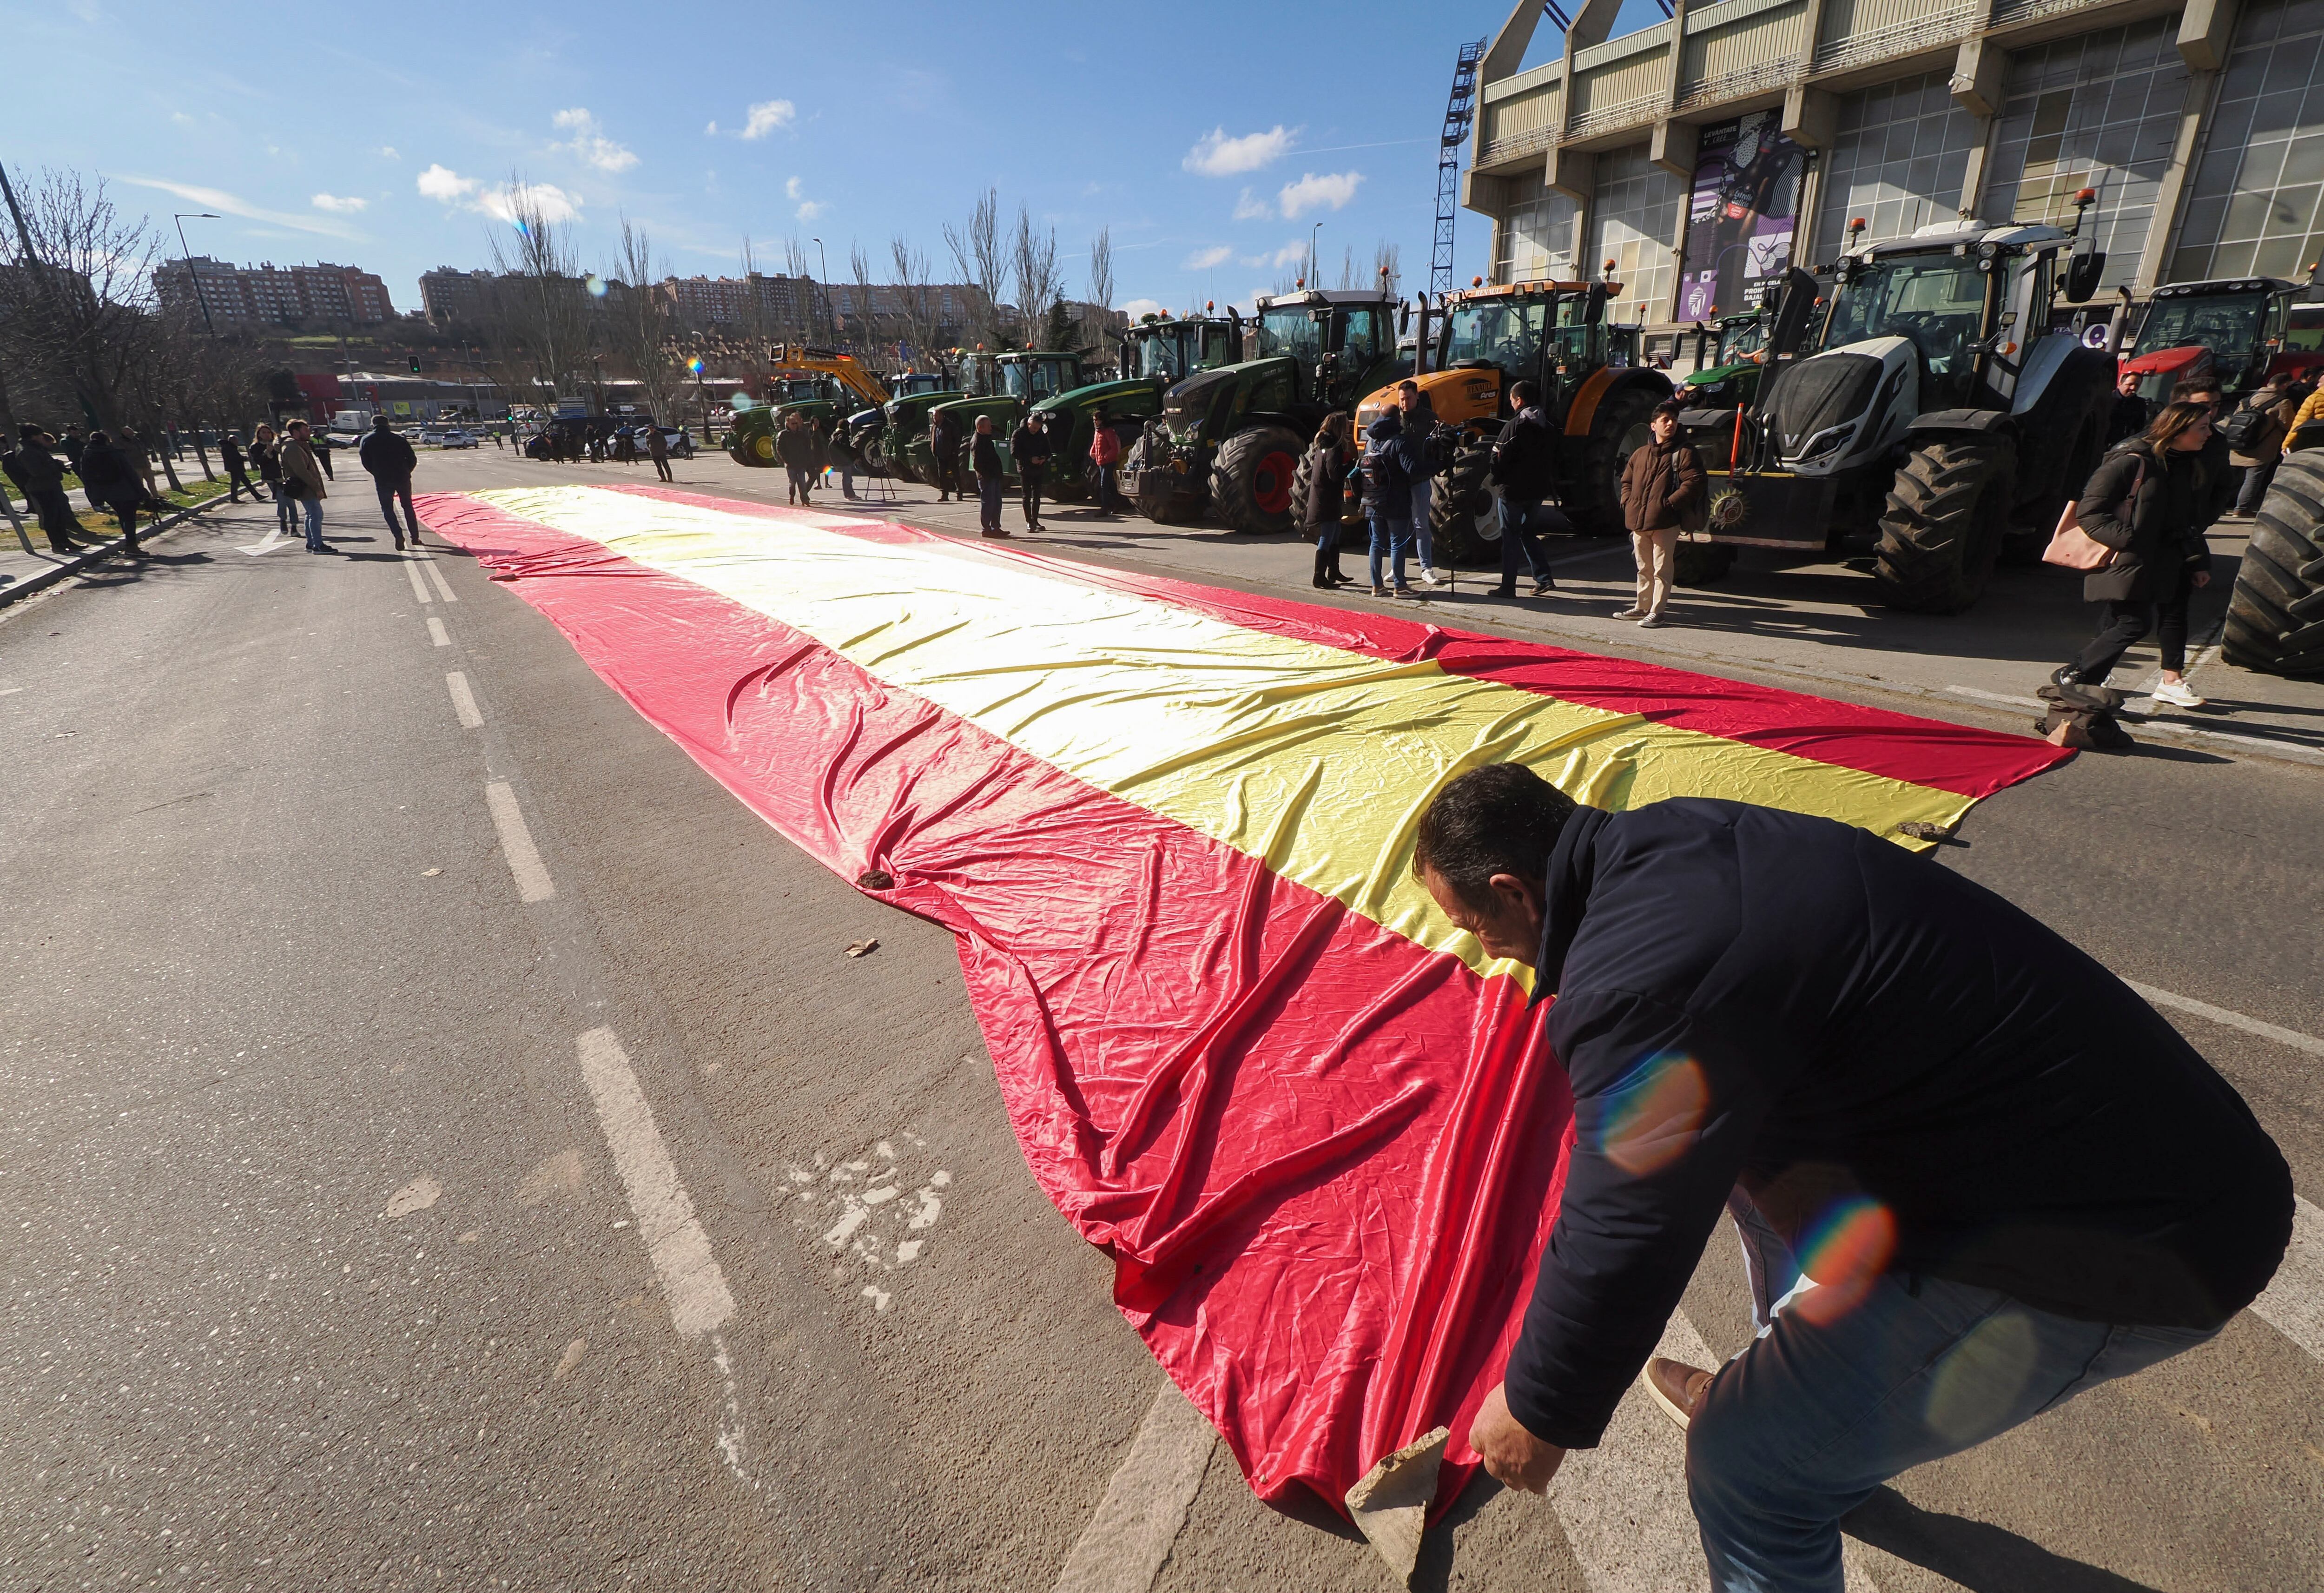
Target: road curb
x=41 y=581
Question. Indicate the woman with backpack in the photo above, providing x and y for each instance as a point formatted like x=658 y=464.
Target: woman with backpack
x=2145 y=501
x=1327 y=467
x=2255 y=432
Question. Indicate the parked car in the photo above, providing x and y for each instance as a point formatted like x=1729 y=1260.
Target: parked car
x=455 y=439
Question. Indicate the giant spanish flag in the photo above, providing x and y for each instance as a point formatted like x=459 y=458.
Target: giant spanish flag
x=1171 y=825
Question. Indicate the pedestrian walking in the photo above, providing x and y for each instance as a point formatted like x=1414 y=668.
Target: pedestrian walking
x=1028 y=445
x=1663 y=489
x=230 y=456
x=325 y=445
x=141 y=460
x=1525 y=466
x=984 y=461
x=1387 y=502
x=266 y=453
x=944 y=441
x=2129 y=417
x=2146 y=501
x=391 y=460
x=658 y=450
x=39 y=476
x=109 y=475
x=1327 y=493
x=2218 y=465
x=1105 y=455
x=302 y=478
x=1974 y=1174
x=795 y=447
x=1417 y=418
x=2255 y=435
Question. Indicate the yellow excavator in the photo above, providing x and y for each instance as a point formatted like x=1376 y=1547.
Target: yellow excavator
x=810 y=381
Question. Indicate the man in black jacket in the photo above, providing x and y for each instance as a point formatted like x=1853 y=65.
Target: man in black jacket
x=1974 y=1172
x=391 y=461
x=110 y=478
x=1028 y=445
x=230 y=455
x=984 y=460
x=41 y=478
x=1524 y=465
x=944 y=442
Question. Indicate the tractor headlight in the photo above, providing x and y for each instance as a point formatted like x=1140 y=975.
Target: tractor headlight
x=1828 y=441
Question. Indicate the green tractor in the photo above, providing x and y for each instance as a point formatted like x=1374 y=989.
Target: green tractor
x=1021 y=380
x=1232 y=439
x=1155 y=353
x=820 y=384
x=904 y=440
x=1729 y=359
x=865 y=433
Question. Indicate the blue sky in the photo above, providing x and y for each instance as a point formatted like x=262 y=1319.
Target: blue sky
x=1211 y=137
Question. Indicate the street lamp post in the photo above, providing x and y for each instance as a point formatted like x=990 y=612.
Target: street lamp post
x=188 y=256
x=823 y=286
x=1314 y=261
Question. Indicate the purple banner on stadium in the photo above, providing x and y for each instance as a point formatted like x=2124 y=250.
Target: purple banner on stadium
x=1741 y=222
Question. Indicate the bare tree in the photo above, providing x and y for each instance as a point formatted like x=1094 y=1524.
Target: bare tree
x=542 y=300
x=976 y=250
x=913 y=301
x=865 y=323
x=1033 y=269
x=78 y=309
x=641 y=329
x=1101 y=269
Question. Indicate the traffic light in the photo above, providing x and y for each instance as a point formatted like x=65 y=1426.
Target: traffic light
x=415 y=365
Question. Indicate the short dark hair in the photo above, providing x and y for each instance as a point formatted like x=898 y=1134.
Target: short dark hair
x=1523 y=393
x=1670 y=407
x=1407 y=385
x=2181 y=391
x=1500 y=819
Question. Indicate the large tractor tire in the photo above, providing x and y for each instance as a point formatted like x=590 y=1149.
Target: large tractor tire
x=1251 y=478
x=1594 y=503
x=2275 y=615
x=1464 y=510
x=1163 y=506
x=1948 y=510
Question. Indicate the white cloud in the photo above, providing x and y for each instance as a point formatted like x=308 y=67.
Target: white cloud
x=440 y=182
x=182 y=119
x=1290 y=254
x=1204 y=259
x=769 y=115
x=791 y=189
x=388 y=151
x=590 y=143
x=226 y=204
x=1142 y=307
x=1215 y=154
x=710 y=130
x=811 y=209
x=448 y=186
x=1250 y=207
x=1331 y=192
x=342 y=207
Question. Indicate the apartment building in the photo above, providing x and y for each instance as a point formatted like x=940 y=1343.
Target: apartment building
x=273 y=296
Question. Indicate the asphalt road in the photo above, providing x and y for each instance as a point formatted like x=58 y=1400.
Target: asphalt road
x=327 y=1152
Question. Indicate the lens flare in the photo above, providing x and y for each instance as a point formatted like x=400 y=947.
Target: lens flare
x=596 y=286
x=1651 y=1115
x=1845 y=1251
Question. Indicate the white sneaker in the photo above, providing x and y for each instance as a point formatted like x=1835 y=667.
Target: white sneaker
x=2178 y=694
x=1633 y=613
x=1432 y=578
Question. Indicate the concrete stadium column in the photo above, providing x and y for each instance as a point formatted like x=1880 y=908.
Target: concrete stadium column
x=1979 y=70
x=2171 y=193
x=1575 y=174
x=1673 y=146
x=1810 y=120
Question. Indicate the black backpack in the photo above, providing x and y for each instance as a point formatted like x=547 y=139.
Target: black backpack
x=2242 y=428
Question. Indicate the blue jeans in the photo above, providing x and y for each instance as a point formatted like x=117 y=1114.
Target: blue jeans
x=1814 y=1416
x=1522 y=525
x=988 y=502
x=314 y=508
x=1420 y=527
x=1390 y=537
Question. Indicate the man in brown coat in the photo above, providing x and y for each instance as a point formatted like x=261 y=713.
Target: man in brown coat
x=302 y=478
x=1662 y=487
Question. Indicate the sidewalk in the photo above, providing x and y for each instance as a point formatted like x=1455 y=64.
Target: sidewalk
x=23 y=574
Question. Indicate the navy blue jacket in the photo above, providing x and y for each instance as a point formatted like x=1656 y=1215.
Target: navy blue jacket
x=1859 y=1021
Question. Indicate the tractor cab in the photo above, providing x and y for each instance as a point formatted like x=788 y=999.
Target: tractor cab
x=918 y=381
x=1728 y=358
x=1029 y=378
x=1333 y=338
x=2237 y=331
x=1160 y=349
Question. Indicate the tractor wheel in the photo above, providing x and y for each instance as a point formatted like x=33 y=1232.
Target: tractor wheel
x=1942 y=529
x=1594 y=503
x=2024 y=544
x=1251 y=479
x=1703 y=564
x=1464 y=511
x=760 y=449
x=1302 y=478
x=1158 y=503
x=2275 y=616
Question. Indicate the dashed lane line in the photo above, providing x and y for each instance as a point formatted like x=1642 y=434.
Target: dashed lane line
x=532 y=882
x=2233 y=1020
x=437 y=575
x=464 y=701
x=436 y=633
x=1126 y=1542
x=2293 y=1301
x=419 y=587
x=692 y=1282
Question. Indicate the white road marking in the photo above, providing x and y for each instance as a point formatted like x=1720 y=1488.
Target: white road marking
x=436 y=633
x=691 y=1280
x=2293 y=1301
x=1994 y=696
x=1123 y=1547
x=532 y=882
x=2233 y=1020
x=274 y=539
x=419 y=587
x=437 y=575
x=464 y=701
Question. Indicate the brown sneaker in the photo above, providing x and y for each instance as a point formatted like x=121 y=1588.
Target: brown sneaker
x=1677 y=1387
